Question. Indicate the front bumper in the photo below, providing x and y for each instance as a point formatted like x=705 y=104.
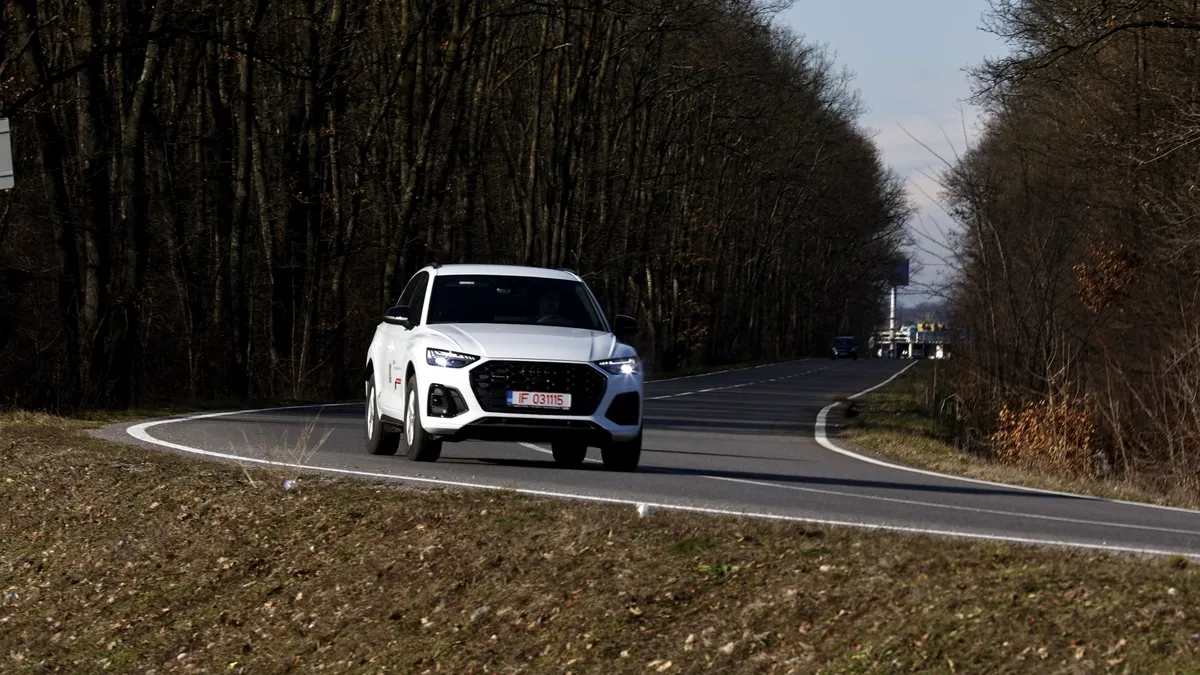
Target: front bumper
x=451 y=410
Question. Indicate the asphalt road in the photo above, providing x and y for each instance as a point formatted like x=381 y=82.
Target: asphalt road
x=745 y=442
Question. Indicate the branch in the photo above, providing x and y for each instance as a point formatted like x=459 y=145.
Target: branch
x=1054 y=55
x=252 y=53
x=95 y=56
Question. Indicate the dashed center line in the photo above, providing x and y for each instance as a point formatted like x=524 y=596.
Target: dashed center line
x=734 y=386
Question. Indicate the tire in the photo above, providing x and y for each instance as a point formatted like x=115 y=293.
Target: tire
x=379 y=440
x=622 y=455
x=570 y=455
x=418 y=446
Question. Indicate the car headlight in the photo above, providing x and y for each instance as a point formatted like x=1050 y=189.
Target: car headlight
x=625 y=366
x=448 y=359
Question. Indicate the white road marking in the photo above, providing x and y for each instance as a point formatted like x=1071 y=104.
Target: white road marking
x=877 y=526
x=952 y=507
x=141 y=433
x=822 y=438
x=722 y=372
x=732 y=386
x=911 y=502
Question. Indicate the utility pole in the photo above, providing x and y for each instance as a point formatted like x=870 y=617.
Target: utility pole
x=6 y=161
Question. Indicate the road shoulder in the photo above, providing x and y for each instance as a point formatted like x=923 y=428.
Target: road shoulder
x=897 y=424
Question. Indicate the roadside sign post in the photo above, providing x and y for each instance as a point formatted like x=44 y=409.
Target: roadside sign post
x=898 y=277
x=6 y=161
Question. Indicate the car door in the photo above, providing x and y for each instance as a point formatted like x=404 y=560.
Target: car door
x=395 y=345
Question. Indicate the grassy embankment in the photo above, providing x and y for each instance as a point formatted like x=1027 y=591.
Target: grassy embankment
x=901 y=422
x=127 y=559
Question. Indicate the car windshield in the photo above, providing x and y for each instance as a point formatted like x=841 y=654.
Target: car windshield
x=844 y=342
x=513 y=300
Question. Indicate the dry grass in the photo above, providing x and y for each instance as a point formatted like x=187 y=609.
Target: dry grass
x=129 y=560
x=897 y=422
x=102 y=417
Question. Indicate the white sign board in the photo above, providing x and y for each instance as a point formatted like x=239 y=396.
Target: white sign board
x=6 y=164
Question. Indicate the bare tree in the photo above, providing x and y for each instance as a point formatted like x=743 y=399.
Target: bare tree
x=239 y=187
x=1079 y=274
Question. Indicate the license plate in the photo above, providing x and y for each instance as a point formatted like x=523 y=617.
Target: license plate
x=537 y=399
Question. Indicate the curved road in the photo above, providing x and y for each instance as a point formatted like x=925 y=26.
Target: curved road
x=757 y=442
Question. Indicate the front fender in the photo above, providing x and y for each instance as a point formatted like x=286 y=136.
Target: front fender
x=414 y=359
x=374 y=365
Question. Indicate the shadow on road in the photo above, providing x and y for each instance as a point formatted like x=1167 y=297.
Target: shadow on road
x=723 y=454
x=745 y=425
x=771 y=477
x=347 y=415
x=855 y=483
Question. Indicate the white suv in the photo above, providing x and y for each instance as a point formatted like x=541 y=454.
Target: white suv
x=491 y=352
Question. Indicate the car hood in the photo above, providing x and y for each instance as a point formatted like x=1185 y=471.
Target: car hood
x=543 y=343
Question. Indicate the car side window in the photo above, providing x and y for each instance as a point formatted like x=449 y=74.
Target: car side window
x=417 y=303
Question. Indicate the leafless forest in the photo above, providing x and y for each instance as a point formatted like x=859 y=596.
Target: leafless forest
x=1080 y=253
x=218 y=198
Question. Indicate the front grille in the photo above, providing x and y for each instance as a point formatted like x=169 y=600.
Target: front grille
x=492 y=380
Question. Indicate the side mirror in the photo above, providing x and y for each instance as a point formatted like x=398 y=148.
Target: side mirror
x=397 y=316
x=625 y=327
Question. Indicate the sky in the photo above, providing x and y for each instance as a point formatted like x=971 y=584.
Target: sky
x=908 y=59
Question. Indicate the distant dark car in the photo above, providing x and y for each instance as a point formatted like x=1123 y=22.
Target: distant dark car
x=844 y=347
